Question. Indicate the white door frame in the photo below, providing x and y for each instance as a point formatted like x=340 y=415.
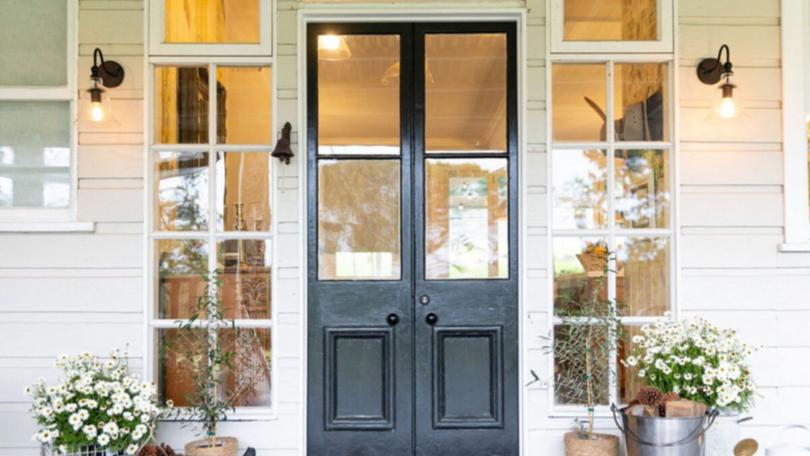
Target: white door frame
x=422 y=13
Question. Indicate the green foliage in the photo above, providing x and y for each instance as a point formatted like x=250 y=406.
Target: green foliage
x=204 y=356
x=583 y=341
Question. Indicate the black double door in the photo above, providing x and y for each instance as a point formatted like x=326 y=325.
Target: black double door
x=412 y=227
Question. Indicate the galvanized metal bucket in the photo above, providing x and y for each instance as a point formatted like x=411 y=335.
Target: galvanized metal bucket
x=655 y=436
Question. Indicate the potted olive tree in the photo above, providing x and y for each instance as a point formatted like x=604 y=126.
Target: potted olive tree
x=583 y=341
x=209 y=360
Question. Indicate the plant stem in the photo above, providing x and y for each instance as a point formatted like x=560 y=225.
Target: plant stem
x=589 y=380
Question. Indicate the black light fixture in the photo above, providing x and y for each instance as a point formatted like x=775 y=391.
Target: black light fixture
x=711 y=71
x=282 y=150
x=104 y=73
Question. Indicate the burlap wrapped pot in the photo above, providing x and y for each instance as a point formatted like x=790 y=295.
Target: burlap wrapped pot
x=599 y=445
x=225 y=446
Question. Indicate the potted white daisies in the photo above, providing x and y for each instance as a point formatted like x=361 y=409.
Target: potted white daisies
x=695 y=360
x=97 y=408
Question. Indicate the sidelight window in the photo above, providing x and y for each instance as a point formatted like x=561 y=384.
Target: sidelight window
x=211 y=187
x=612 y=209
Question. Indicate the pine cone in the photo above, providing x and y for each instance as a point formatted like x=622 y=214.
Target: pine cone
x=167 y=450
x=148 y=450
x=650 y=396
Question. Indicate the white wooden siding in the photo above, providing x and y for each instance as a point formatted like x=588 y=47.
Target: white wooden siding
x=72 y=292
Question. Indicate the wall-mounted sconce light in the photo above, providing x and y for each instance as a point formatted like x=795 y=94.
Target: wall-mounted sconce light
x=282 y=150
x=711 y=71
x=104 y=73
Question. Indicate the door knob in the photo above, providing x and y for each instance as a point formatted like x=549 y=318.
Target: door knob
x=424 y=300
x=392 y=319
x=431 y=319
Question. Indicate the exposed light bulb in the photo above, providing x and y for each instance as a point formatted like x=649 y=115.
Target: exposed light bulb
x=97 y=111
x=329 y=42
x=727 y=108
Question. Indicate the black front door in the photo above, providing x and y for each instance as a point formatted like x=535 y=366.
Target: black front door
x=412 y=225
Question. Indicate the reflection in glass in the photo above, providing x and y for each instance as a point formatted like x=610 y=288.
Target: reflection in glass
x=212 y=21
x=245 y=383
x=467 y=219
x=571 y=370
x=465 y=92
x=35 y=151
x=182 y=267
x=358 y=94
x=359 y=220
x=628 y=380
x=181 y=105
x=642 y=188
x=579 y=271
x=181 y=191
x=579 y=102
x=643 y=276
x=243 y=191
x=244 y=267
x=245 y=115
x=610 y=20
x=579 y=189
x=641 y=97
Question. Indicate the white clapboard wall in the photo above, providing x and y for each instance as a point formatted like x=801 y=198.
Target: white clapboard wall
x=68 y=292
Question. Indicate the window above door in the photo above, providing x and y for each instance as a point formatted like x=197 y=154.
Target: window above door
x=599 y=26
x=210 y=27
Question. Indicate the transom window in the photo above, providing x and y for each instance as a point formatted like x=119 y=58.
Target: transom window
x=37 y=110
x=611 y=25
x=211 y=191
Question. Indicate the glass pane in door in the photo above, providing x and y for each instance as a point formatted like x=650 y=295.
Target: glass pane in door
x=359 y=220
x=466 y=218
x=212 y=21
x=358 y=94
x=465 y=92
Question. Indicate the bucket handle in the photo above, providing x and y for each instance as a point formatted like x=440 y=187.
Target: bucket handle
x=698 y=432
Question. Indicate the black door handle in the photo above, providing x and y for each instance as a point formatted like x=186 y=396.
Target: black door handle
x=392 y=319
x=431 y=319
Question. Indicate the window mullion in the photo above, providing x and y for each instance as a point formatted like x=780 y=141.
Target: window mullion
x=610 y=135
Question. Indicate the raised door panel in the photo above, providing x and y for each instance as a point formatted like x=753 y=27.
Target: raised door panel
x=359 y=381
x=467 y=375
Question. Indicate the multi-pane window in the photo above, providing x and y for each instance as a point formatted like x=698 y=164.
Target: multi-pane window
x=36 y=109
x=211 y=187
x=611 y=192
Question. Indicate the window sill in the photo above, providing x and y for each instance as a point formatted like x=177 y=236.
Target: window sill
x=795 y=247
x=47 y=227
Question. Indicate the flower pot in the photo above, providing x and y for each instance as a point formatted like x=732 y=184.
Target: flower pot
x=599 y=445
x=659 y=436
x=225 y=446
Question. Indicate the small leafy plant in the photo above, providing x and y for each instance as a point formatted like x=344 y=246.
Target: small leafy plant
x=587 y=335
x=203 y=353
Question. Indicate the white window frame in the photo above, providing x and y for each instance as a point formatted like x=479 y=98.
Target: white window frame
x=611 y=232
x=157 y=46
x=795 y=111
x=215 y=55
x=663 y=45
x=52 y=219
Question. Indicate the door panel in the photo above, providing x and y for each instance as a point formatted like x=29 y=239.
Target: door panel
x=467 y=378
x=359 y=378
x=412 y=255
